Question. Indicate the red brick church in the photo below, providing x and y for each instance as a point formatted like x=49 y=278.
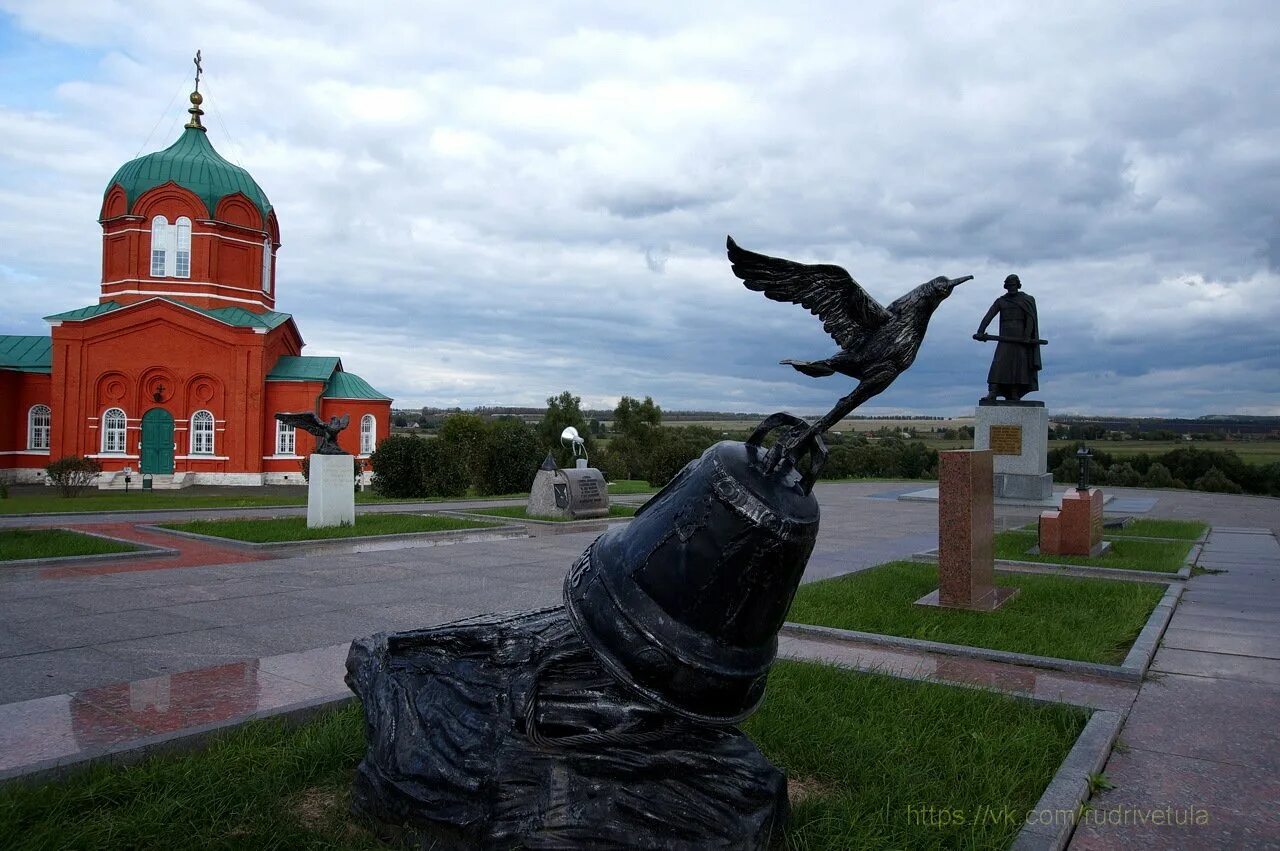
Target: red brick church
x=178 y=370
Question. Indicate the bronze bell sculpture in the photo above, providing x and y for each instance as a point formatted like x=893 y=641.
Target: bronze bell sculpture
x=684 y=603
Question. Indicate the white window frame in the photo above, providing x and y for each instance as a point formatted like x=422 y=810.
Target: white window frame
x=182 y=248
x=115 y=431
x=286 y=439
x=39 y=426
x=170 y=248
x=266 y=265
x=368 y=433
x=201 y=433
x=160 y=257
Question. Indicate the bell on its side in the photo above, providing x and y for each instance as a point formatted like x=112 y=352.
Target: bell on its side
x=684 y=603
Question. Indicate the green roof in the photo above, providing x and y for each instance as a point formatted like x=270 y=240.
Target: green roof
x=237 y=316
x=303 y=368
x=84 y=312
x=26 y=354
x=192 y=163
x=348 y=385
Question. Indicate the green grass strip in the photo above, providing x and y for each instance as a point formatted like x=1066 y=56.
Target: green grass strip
x=878 y=762
x=625 y=486
x=1124 y=554
x=136 y=501
x=872 y=761
x=518 y=512
x=51 y=543
x=1174 y=530
x=1089 y=620
x=270 y=530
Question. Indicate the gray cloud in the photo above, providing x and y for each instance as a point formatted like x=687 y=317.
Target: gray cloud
x=475 y=207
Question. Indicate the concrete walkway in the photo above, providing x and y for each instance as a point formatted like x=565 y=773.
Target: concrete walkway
x=1200 y=761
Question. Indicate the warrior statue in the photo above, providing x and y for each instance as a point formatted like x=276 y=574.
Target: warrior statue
x=1016 y=364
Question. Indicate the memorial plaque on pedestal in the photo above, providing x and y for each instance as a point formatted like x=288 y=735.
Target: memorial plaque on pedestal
x=1006 y=439
x=331 y=494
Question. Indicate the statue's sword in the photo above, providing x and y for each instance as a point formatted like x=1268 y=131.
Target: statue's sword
x=982 y=338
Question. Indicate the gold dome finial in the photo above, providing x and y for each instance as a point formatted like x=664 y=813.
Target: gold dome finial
x=196 y=99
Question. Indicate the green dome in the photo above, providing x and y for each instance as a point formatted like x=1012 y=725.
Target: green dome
x=192 y=163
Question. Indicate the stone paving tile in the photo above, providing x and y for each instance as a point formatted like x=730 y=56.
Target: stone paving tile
x=51 y=672
x=235 y=611
x=1031 y=682
x=1223 y=625
x=59 y=725
x=185 y=651
x=1267 y=647
x=40 y=608
x=323 y=667
x=100 y=629
x=1200 y=717
x=1232 y=612
x=1237 y=807
x=187 y=699
x=1218 y=665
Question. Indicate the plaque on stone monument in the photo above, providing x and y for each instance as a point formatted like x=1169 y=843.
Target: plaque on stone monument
x=1006 y=439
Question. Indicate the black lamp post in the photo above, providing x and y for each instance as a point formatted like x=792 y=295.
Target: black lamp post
x=1083 y=455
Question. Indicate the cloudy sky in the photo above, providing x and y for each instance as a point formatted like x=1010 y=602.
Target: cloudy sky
x=488 y=203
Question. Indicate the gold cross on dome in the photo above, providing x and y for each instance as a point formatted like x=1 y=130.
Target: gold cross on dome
x=199 y=69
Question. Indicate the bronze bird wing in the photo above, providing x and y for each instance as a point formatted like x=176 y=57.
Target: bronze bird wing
x=344 y=421
x=305 y=420
x=829 y=292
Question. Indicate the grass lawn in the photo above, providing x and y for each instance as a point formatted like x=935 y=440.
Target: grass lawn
x=268 y=530
x=1125 y=553
x=1089 y=620
x=622 y=486
x=50 y=543
x=135 y=501
x=864 y=754
x=1177 y=530
x=517 y=512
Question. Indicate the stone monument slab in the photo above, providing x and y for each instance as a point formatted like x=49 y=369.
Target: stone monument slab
x=1018 y=436
x=579 y=493
x=331 y=495
x=966 y=528
x=1076 y=528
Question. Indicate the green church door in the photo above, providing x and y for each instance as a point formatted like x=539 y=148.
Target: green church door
x=157 y=441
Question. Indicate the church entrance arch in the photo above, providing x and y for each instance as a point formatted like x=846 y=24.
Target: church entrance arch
x=157 y=442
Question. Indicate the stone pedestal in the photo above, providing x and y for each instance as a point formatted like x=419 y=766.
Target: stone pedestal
x=966 y=527
x=579 y=493
x=1017 y=433
x=331 y=494
x=1076 y=528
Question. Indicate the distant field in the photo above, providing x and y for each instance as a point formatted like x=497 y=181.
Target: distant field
x=844 y=426
x=1258 y=452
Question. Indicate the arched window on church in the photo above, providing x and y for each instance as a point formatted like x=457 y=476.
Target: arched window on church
x=38 y=421
x=182 y=248
x=202 y=433
x=114 y=427
x=159 y=246
x=367 y=432
x=170 y=248
x=266 y=266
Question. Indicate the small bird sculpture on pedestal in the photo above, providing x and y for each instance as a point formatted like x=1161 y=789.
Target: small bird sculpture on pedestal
x=877 y=343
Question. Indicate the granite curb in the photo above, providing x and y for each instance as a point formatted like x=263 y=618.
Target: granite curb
x=496 y=531
x=65 y=516
x=1132 y=669
x=558 y=524
x=179 y=741
x=141 y=551
x=1061 y=804
x=1005 y=565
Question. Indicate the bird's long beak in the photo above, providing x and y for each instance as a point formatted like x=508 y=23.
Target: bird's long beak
x=958 y=281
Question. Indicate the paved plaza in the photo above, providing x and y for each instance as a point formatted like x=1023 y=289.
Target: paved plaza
x=98 y=653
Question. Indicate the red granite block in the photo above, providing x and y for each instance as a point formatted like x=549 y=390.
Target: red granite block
x=1051 y=532
x=966 y=527
x=1081 y=532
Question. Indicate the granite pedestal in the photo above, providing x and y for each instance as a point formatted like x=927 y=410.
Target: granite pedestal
x=1076 y=528
x=331 y=491
x=966 y=528
x=577 y=494
x=1017 y=433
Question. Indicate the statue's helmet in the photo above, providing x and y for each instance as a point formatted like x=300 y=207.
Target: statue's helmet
x=1013 y=280
x=684 y=603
